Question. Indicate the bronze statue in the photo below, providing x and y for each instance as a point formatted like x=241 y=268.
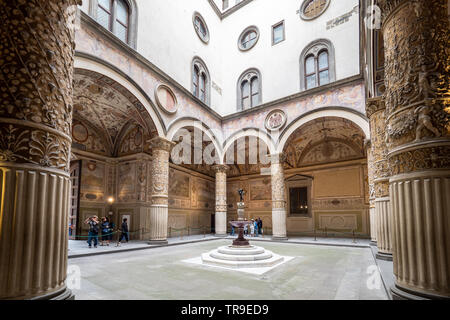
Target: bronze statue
x=241 y=194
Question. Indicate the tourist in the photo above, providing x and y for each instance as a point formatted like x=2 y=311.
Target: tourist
x=232 y=230
x=111 y=231
x=252 y=228
x=260 y=225
x=256 y=227
x=124 y=231
x=105 y=231
x=246 y=228
x=93 y=230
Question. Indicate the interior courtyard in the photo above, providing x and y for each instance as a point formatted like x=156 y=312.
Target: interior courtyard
x=325 y=121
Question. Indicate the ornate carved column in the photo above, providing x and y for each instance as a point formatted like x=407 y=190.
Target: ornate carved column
x=417 y=116
x=372 y=216
x=159 y=210
x=379 y=167
x=36 y=70
x=221 y=199
x=278 y=197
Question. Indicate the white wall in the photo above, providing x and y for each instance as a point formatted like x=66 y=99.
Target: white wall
x=167 y=38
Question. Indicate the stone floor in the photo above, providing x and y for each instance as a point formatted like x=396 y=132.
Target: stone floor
x=316 y=272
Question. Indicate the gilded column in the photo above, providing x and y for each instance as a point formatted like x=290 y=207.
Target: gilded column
x=372 y=216
x=221 y=200
x=36 y=71
x=379 y=167
x=278 y=198
x=159 y=210
x=416 y=35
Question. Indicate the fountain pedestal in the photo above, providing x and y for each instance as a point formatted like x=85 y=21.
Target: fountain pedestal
x=241 y=254
x=240 y=224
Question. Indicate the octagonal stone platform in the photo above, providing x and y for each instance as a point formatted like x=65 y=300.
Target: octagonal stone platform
x=241 y=257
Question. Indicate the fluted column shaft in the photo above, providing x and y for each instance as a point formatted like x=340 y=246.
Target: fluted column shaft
x=159 y=209
x=221 y=200
x=379 y=171
x=372 y=215
x=278 y=197
x=36 y=71
x=417 y=81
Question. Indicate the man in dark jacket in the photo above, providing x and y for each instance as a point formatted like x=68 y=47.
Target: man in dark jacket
x=260 y=225
x=124 y=230
x=93 y=230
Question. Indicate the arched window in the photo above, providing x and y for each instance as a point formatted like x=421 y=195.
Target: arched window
x=118 y=16
x=317 y=66
x=200 y=80
x=249 y=90
x=312 y=9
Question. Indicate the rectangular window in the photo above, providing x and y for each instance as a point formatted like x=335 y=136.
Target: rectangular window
x=278 y=34
x=225 y=4
x=299 y=200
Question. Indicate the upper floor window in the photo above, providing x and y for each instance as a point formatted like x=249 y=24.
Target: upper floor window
x=225 y=4
x=317 y=65
x=278 y=33
x=118 y=16
x=312 y=9
x=248 y=38
x=200 y=27
x=249 y=90
x=200 y=80
x=114 y=16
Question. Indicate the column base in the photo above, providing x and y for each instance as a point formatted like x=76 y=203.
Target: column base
x=158 y=242
x=64 y=294
x=384 y=256
x=221 y=235
x=279 y=238
x=400 y=293
x=373 y=243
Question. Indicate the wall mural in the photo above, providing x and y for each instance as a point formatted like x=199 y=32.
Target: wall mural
x=179 y=184
x=127 y=181
x=93 y=184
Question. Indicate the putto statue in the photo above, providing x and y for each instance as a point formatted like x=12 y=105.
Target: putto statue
x=241 y=194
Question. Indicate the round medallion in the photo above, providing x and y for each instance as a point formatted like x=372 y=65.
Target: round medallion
x=312 y=9
x=166 y=99
x=275 y=120
x=80 y=133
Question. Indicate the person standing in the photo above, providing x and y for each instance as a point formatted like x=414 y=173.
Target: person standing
x=252 y=228
x=260 y=225
x=105 y=231
x=111 y=231
x=124 y=231
x=93 y=230
x=256 y=227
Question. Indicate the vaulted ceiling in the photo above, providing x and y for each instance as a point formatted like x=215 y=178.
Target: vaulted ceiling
x=108 y=108
x=324 y=140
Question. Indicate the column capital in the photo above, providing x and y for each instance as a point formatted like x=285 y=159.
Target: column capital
x=374 y=105
x=221 y=168
x=160 y=143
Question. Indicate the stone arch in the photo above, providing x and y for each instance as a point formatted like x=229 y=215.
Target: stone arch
x=357 y=118
x=93 y=64
x=215 y=137
x=264 y=136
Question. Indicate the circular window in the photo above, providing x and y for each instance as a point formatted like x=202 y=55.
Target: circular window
x=312 y=9
x=200 y=27
x=248 y=38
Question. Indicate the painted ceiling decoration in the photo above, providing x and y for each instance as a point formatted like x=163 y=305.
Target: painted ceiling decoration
x=109 y=108
x=324 y=140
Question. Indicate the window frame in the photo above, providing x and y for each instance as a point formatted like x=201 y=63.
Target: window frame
x=296 y=184
x=244 y=33
x=281 y=23
x=198 y=64
x=132 y=17
x=249 y=76
x=306 y=3
x=204 y=38
x=314 y=49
